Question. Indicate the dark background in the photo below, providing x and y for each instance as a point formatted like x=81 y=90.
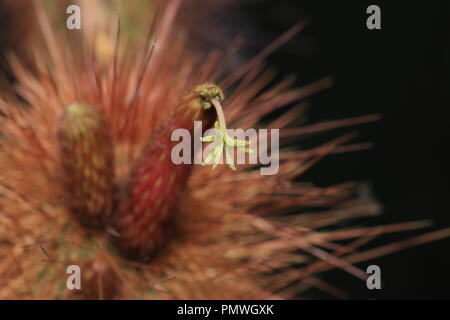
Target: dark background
x=402 y=72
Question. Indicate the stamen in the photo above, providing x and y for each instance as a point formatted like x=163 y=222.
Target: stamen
x=211 y=95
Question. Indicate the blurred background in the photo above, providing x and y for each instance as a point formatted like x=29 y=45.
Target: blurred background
x=402 y=72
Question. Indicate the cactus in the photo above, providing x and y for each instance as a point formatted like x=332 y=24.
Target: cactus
x=87 y=162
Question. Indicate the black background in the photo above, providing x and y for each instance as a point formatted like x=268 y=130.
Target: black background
x=402 y=72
